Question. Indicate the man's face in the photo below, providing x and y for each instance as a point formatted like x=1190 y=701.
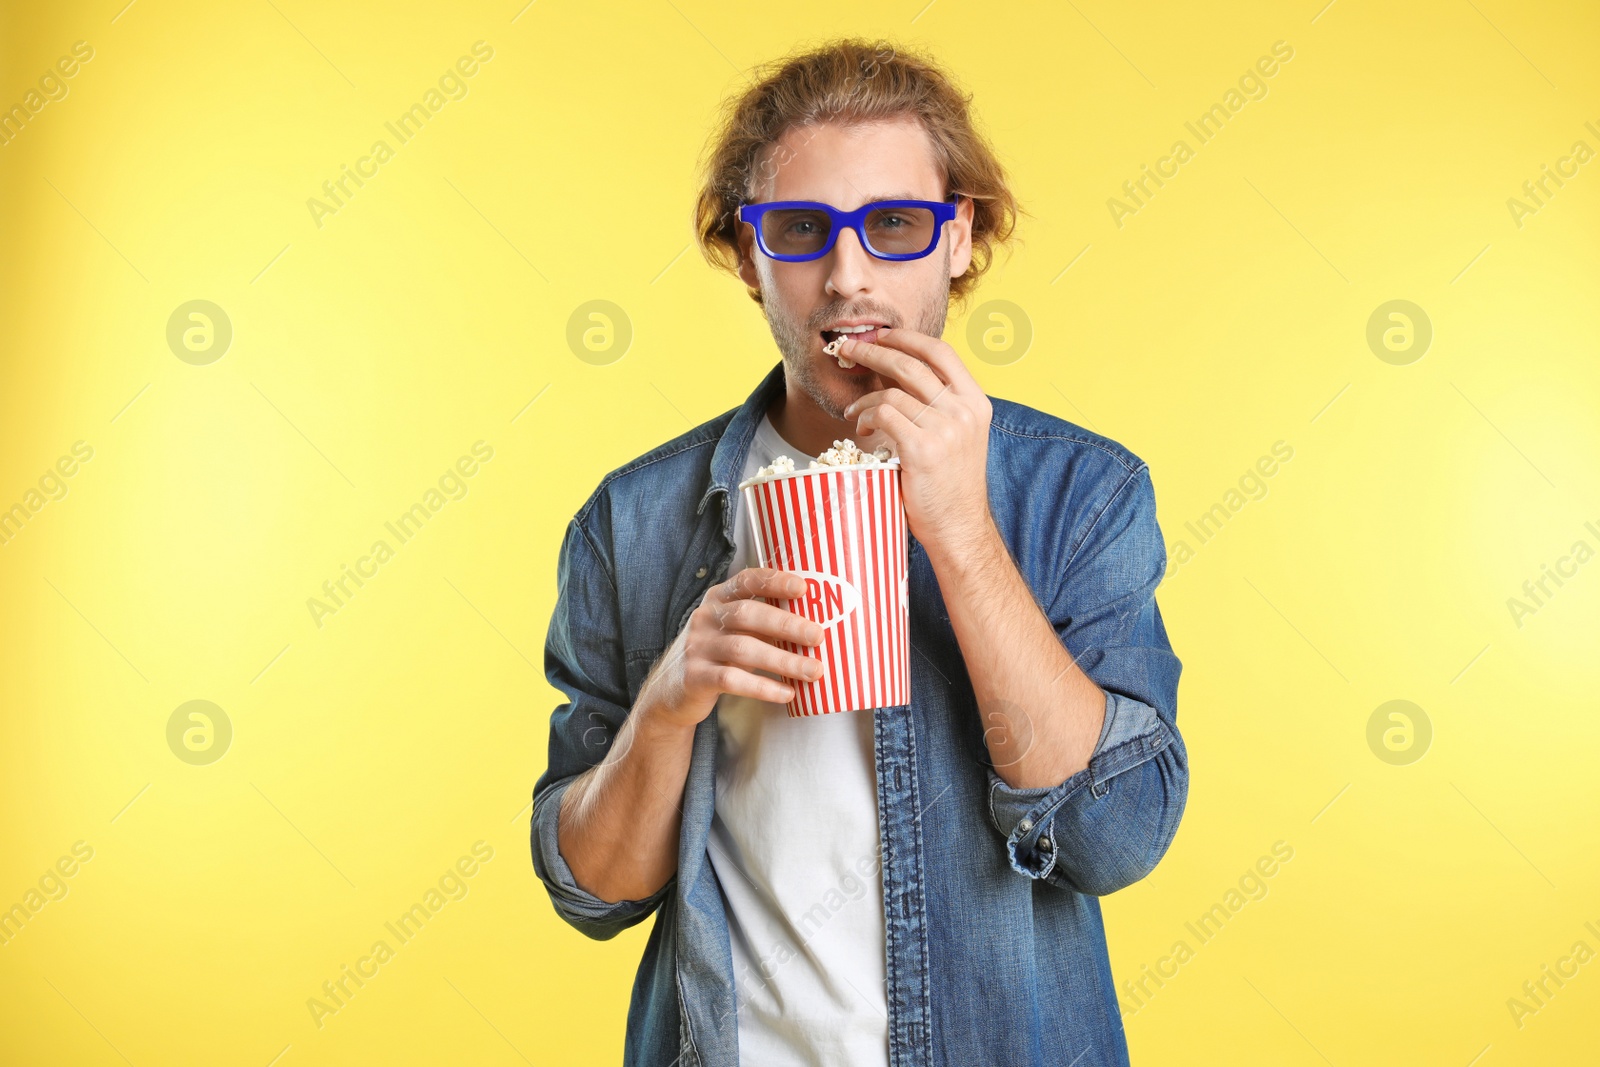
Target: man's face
x=847 y=166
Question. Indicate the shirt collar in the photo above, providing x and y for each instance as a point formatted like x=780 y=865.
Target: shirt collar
x=727 y=461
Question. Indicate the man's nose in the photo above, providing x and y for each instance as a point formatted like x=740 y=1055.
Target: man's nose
x=851 y=265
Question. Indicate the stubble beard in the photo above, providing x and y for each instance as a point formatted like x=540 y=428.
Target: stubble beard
x=799 y=341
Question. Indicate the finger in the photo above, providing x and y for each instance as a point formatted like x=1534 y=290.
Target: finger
x=914 y=375
x=909 y=405
x=767 y=621
x=920 y=415
x=887 y=425
x=885 y=422
x=754 y=654
x=937 y=354
x=721 y=678
x=761 y=582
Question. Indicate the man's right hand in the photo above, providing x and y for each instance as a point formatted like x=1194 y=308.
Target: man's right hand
x=620 y=820
x=728 y=638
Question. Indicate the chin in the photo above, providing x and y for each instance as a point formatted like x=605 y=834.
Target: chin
x=837 y=393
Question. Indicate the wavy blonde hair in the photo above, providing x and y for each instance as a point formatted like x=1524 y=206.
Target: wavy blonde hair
x=850 y=81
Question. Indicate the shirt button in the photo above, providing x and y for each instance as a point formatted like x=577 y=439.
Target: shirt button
x=1025 y=825
x=1045 y=845
x=701 y=573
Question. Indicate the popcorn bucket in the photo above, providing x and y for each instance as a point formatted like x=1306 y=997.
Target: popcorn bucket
x=842 y=529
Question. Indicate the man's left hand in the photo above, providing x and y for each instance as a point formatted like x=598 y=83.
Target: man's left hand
x=936 y=418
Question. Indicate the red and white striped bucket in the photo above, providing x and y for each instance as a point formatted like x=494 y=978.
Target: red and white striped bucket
x=842 y=529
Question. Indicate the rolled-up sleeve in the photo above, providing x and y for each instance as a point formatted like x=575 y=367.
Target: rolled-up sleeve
x=583 y=659
x=1108 y=826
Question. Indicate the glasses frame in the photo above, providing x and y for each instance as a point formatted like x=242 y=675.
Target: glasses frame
x=840 y=221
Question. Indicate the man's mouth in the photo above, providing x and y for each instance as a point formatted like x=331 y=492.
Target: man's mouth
x=865 y=334
x=833 y=339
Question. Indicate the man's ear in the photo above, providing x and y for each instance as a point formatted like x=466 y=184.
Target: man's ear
x=747 y=256
x=960 y=230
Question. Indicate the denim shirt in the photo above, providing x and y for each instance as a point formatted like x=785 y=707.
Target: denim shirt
x=996 y=950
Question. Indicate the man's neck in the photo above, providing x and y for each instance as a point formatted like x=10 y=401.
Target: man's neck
x=804 y=425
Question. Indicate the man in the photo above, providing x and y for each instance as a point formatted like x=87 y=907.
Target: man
x=909 y=885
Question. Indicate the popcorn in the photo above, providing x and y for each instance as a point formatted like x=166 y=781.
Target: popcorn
x=845 y=453
x=781 y=465
x=832 y=349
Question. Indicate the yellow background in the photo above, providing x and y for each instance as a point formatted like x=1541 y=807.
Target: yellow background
x=371 y=752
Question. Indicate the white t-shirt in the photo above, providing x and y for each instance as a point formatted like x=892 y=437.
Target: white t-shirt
x=794 y=842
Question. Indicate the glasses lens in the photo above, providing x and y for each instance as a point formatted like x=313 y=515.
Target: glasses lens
x=795 y=231
x=899 y=231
